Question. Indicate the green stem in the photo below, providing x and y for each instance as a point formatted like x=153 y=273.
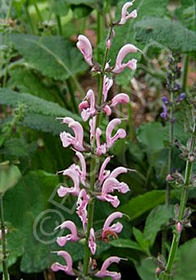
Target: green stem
x=4 y=263
x=171 y=142
x=185 y=72
x=100 y=33
x=183 y=200
x=60 y=30
x=9 y=10
x=29 y=19
x=37 y=10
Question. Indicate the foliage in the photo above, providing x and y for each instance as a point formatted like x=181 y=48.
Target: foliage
x=41 y=77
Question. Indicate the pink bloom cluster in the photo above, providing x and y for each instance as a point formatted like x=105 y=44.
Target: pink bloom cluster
x=106 y=182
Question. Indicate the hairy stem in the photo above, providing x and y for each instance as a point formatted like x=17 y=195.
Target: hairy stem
x=4 y=263
x=183 y=200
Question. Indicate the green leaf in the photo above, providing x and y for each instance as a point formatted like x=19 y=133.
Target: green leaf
x=185 y=268
x=9 y=176
x=137 y=206
x=152 y=135
x=142 y=241
x=178 y=39
x=126 y=243
x=53 y=56
x=41 y=114
x=146 y=269
x=25 y=80
x=157 y=218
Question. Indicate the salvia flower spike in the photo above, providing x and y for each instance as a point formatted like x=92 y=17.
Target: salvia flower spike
x=90 y=186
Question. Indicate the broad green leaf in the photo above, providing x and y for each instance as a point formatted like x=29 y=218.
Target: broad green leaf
x=157 y=218
x=53 y=56
x=152 y=135
x=34 y=104
x=9 y=176
x=146 y=269
x=139 y=205
x=178 y=39
x=185 y=269
x=126 y=243
x=25 y=80
x=33 y=217
x=40 y=114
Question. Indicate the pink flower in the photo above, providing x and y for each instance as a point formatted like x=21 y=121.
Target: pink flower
x=121 y=133
x=85 y=47
x=109 y=229
x=82 y=173
x=125 y=15
x=104 y=174
x=62 y=240
x=92 y=124
x=120 y=66
x=109 y=186
x=90 y=110
x=179 y=227
x=83 y=105
x=104 y=272
x=101 y=149
x=117 y=171
x=67 y=139
x=62 y=191
x=83 y=200
x=66 y=268
x=107 y=110
x=119 y=98
x=91 y=241
x=107 y=84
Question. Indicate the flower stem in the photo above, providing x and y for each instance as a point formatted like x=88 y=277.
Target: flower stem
x=87 y=252
x=4 y=263
x=183 y=200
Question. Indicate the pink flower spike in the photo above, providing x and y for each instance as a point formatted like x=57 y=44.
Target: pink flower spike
x=104 y=272
x=107 y=84
x=109 y=229
x=120 y=66
x=90 y=111
x=107 y=110
x=121 y=133
x=120 y=98
x=67 y=139
x=91 y=242
x=66 y=268
x=104 y=174
x=83 y=200
x=83 y=165
x=101 y=149
x=62 y=240
x=85 y=47
x=125 y=15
